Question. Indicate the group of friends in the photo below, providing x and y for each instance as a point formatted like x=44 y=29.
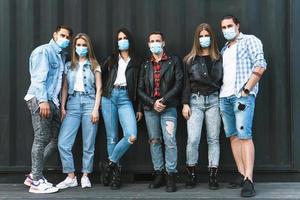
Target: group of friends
x=211 y=87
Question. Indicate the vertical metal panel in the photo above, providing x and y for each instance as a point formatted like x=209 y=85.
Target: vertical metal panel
x=26 y=24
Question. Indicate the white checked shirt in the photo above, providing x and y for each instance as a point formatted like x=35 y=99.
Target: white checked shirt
x=249 y=54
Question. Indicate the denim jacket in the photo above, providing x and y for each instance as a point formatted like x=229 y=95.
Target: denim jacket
x=45 y=65
x=88 y=78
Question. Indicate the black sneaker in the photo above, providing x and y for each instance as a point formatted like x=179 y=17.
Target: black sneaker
x=237 y=182
x=248 y=189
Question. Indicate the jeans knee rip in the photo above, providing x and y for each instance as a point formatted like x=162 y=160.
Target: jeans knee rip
x=155 y=141
x=170 y=127
x=131 y=139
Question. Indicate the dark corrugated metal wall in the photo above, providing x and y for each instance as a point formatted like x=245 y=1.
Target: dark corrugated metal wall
x=25 y=24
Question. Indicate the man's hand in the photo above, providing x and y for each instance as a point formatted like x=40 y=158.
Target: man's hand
x=186 y=111
x=45 y=110
x=158 y=106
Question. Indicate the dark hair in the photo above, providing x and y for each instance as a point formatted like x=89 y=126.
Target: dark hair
x=234 y=19
x=58 y=27
x=157 y=33
x=132 y=53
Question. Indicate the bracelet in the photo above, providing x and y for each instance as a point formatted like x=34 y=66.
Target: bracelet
x=257 y=74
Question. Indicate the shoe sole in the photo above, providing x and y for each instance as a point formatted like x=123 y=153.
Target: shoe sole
x=42 y=192
x=70 y=186
x=252 y=195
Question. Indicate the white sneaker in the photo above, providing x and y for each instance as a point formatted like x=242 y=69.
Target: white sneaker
x=85 y=182
x=68 y=182
x=29 y=179
x=41 y=187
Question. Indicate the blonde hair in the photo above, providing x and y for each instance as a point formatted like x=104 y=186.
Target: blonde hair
x=91 y=55
x=197 y=49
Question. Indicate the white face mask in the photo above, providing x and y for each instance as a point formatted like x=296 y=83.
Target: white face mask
x=229 y=33
x=156 y=47
x=204 y=41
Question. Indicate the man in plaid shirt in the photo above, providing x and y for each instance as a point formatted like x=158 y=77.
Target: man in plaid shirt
x=243 y=66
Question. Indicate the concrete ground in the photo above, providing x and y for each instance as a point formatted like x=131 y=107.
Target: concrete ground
x=274 y=190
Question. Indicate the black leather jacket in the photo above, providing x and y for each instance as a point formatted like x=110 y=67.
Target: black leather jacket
x=198 y=79
x=109 y=75
x=171 y=81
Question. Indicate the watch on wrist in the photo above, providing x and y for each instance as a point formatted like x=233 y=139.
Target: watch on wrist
x=246 y=91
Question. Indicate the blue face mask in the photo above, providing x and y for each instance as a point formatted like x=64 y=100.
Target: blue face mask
x=81 y=51
x=156 y=47
x=123 y=44
x=62 y=42
x=229 y=33
x=204 y=42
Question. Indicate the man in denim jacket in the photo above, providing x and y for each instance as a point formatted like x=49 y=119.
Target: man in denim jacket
x=243 y=66
x=46 y=66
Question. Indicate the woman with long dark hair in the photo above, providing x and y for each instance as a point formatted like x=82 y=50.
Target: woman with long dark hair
x=120 y=74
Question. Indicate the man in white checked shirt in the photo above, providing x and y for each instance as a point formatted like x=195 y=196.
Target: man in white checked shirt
x=243 y=66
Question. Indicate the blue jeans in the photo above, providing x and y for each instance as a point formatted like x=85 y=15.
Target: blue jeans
x=114 y=109
x=79 y=110
x=237 y=115
x=162 y=125
x=204 y=108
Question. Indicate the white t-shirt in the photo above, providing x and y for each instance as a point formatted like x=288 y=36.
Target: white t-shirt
x=79 y=87
x=121 y=78
x=229 y=71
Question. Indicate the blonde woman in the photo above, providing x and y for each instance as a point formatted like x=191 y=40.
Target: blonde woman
x=81 y=95
x=200 y=98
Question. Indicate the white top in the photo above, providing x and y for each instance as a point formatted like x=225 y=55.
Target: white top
x=229 y=71
x=79 y=87
x=121 y=78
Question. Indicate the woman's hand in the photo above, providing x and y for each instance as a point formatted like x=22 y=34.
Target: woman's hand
x=95 y=116
x=139 y=116
x=186 y=111
x=63 y=113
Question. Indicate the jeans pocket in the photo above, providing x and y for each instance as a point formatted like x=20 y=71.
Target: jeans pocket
x=33 y=105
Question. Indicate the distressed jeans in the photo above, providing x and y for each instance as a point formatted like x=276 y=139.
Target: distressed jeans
x=114 y=109
x=45 y=136
x=162 y=128
x=204 y=108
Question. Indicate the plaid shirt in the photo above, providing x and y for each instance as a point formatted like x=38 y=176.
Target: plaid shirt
x=249 y=55
x=156 y=74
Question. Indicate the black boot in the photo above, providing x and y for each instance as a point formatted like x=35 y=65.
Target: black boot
x=115 y=177
x=191 y=177
x=158 y=181
x=171 y=182
x=105 y=173
x=212 y=180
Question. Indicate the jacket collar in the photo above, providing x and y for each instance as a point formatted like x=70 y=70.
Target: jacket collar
x=55 y=46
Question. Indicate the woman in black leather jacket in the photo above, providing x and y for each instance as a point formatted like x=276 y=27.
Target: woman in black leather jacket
x=120 y=74
x=200 y=98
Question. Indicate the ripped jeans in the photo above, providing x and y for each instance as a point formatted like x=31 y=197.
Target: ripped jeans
x=114 y=109
x=237 y=115
x=162 y=128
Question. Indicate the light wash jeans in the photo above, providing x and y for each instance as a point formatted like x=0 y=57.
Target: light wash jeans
x=79 y=110
x=204 y=108
x=114 y=109
x=163 y=125
x=237 y=115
